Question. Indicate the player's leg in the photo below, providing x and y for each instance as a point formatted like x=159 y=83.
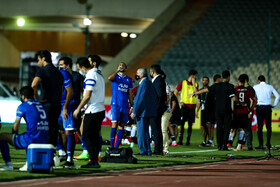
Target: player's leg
x=133 y=134
x=191 y=120
x=123 y=118
x=5 y=152
x=182 y=127
x=84 y=155
x=69 y=127
x=114 y=120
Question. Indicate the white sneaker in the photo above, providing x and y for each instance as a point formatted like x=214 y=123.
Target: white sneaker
x=165 y=152
x=23 y=168
x=6 y=168
x=131 y=144
x=126 y=141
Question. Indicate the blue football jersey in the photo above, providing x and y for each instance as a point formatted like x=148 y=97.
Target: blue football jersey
x=36 y=118
x=120 y=87
x=68 y=80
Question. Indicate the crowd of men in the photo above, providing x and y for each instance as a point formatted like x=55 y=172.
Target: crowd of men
x=54 y=115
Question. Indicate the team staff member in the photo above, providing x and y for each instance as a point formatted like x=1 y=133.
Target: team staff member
x=263 y=92
x=121 y=92
x=188 y=104
x=37 y=123
x=94 y=96
x=223 y=92
x=160 y=88
x=145 y=108
x=52 y=86
x=201 y=105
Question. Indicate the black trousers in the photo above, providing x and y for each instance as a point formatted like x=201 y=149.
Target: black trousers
x=157 y=133
x=223 y=128
x=91 y=128
x=264 y=114
x=53 y=115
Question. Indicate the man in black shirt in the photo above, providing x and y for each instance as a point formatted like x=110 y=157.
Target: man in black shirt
x=52 y=85
x=223 y=93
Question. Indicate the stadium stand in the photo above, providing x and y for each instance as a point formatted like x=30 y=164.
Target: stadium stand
x=233 y=35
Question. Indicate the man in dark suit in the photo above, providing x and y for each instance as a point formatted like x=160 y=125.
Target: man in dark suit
x=160 y=88
x=145 y=108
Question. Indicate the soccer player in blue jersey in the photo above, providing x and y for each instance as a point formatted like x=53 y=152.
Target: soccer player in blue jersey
x=121 y=93
x=37 y=123
x=66 y=117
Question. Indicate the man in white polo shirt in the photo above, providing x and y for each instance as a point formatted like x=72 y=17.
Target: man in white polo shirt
x=263 y=92
x=94 y=96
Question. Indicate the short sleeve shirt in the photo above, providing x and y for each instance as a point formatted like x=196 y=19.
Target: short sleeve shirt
x=67 y=81
x=120 y=89
x=223 y=93
x=52 y=82
x=94 y=82
x=35 y=115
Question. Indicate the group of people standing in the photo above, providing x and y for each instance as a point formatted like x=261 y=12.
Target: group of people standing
x=60 y=101
x=152 y=104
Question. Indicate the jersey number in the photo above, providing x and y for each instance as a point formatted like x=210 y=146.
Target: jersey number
x=241 y=96
x=42 y=111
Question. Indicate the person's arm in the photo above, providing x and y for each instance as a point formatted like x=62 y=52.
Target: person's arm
x=69 y=96
x=113 y=75
x=200 y=91
x=84 y=101
x=198 y=108
x=36 y=81
x=16 y=126
x=277 y=97
x=194 y=86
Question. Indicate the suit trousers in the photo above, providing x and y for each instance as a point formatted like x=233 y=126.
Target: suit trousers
x=264 y=114
x=91 y=128
x=164 y=127
x=143 y=138
x=157 y=134
x=223 y=128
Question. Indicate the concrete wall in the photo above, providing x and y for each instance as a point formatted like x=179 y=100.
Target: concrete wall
x=134 y=48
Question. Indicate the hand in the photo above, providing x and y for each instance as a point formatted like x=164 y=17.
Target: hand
x=196 y=115
x=249 y=115
x=181 y=104
x=132 y=115
x=190 y=95
x=76 y=113
x=130 y=110
x=65 y=114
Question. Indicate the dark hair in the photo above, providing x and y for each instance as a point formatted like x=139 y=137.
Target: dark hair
x=81 y=59
x=95 y=58
x=83 y=62
x=205 y=77
x=216 y=77
x=46 y=54
x=225 y=74
x=246 y=77
x=163 y=74
x=261 y=78
x=192 y=72
x=27 y=91
x=67 y=61
x=156 y=68
x=241 y=79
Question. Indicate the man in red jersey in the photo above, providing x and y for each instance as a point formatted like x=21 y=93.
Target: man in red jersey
x=242 y=109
